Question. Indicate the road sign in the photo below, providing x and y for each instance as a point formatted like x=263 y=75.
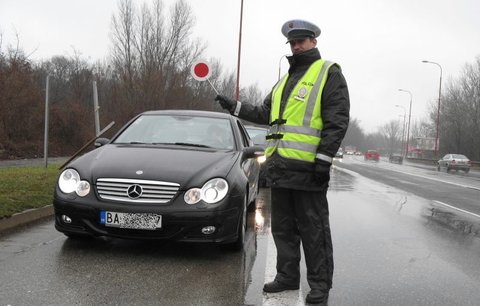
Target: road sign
x=201 y=71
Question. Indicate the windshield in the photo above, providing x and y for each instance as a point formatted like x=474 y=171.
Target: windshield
x=179 y=130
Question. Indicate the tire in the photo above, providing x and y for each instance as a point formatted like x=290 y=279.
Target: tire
x=241 y=232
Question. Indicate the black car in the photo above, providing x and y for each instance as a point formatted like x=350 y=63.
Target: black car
x=395 y=158
x=258 y=134
x=177 y=175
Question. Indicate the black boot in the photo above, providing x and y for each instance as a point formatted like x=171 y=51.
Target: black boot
x=317 y=297
x=276 y=286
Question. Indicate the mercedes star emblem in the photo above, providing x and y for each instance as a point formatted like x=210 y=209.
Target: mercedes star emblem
x=134 y=191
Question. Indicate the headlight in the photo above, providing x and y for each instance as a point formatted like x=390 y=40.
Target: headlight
x=83 y=188
x=69 y=181
x=261 y=159
x=213 y=191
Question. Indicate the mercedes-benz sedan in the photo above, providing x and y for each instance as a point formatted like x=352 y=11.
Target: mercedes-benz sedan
x=177 y=175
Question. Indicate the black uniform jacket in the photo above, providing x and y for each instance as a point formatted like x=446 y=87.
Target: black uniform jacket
x=294 y=174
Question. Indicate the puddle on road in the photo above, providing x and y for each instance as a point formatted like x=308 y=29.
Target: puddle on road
x=405 y=203
x=419 y=227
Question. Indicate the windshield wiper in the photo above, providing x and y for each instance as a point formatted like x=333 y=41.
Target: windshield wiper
x=192 y=144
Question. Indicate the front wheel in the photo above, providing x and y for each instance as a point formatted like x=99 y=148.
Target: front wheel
x=242 y=229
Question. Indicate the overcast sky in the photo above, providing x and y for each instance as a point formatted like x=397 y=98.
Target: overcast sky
x=378 y=43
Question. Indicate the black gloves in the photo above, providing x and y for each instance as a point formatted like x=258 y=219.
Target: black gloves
x=322 y=171
x=226 y=103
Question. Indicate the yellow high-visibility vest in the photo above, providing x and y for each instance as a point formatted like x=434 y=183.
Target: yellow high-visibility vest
x=295 y=134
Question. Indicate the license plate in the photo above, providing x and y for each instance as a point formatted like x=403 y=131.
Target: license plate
x=145 y=221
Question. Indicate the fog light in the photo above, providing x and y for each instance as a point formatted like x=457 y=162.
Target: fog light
x=207 y=230
x=66 y=219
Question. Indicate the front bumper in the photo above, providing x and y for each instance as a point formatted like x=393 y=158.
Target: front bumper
x=177 y=225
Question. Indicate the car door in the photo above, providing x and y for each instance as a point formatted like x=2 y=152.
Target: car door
x=250 y=166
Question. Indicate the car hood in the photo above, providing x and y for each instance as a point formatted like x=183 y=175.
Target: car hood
x=185 y=166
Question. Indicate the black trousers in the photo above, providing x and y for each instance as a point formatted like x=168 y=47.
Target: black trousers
x=302 y=216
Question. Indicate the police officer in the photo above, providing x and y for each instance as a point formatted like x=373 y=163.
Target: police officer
x=308 y=113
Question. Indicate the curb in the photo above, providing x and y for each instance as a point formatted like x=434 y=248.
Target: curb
x=25 y=218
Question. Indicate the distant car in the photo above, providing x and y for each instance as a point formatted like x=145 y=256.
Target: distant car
x=177 y=175
x=339 y=153
x=258 y=135
x=371 y=155
x=395 y=158
x=454 y=162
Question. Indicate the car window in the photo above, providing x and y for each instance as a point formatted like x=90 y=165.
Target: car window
x=257 y=135
x=245 y=138
x=178 y=129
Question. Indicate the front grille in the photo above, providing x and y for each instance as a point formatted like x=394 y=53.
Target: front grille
x=116 y=189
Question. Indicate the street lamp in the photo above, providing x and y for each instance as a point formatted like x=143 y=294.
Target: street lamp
x=404 y=152
x=409 y=117
x=438 y=107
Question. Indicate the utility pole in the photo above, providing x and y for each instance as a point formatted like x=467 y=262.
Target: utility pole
x=96 y=109
x=45 y=139
x=237 y=91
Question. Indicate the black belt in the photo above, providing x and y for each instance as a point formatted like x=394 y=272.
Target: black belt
x=274 y=136
x=278 y=121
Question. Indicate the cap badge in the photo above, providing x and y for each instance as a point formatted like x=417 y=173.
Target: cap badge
x=290 y=25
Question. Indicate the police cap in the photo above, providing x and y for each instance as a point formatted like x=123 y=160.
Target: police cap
x=299 y=29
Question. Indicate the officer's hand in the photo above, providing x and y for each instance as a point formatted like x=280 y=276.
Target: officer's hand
x=226 y=103
x=322 y=171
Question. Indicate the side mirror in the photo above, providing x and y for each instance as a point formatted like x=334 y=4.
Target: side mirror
x=253 y=152
x=101 y=142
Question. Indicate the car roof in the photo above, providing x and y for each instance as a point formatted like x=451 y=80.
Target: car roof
x=186 y=112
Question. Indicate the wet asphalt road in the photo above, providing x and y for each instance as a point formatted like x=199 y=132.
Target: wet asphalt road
x=392 y=246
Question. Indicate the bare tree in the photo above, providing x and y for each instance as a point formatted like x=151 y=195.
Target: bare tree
x=460 y=114
x=392 y=133
x=153 y=53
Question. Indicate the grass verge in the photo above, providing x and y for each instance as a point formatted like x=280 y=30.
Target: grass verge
x=23 y=188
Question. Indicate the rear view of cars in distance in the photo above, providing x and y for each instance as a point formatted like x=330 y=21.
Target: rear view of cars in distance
x=395 y=158
x=454 y=162
x=339 y=153
x=371 y=155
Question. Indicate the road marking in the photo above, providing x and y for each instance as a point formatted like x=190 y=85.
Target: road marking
x=353 y=173
x=431 y=178
x=285 y=298
x=456 y=208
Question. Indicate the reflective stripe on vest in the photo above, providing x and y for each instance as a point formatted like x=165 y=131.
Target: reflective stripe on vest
x=296 y=133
